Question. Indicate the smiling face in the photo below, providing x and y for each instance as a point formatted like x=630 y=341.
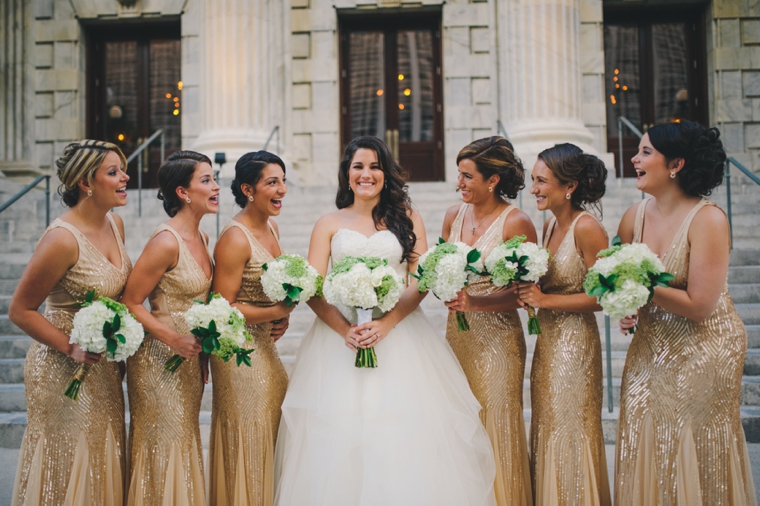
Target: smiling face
x=365 y=176
x=268 y=192
x=109 y=183
x=651 y=167
x=202 y=191
x=472 y=185
x=549 y=192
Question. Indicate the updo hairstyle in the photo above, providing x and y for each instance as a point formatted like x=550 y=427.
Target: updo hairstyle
x=79 y=161
x=570 y=164
x=495 y=155
x=177 y=171
x=248 y=171
x=701 y=149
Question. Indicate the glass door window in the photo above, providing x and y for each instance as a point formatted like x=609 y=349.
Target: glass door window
x=135 y=89
x=655 y=73
x=391 y=88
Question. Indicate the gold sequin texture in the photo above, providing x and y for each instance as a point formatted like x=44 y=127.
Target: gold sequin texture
x=567 y=444
x=680 y=437
x=492 y=354
x=247 y=404
x=165 y=440
x=74 y=450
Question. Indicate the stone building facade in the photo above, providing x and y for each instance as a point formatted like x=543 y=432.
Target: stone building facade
x=533 y=70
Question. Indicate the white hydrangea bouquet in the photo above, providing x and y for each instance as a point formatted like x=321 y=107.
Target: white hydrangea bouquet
x=363 y=283
x=103 y=326
x=518 y=260
x=220 y=328
x=445 y=269
x=624 y=277
x=290 y=278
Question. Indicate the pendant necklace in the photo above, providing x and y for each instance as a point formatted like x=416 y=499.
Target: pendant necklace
x=472 y=218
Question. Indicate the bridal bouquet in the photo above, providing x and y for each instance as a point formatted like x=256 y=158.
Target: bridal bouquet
x=445 y=269
x=624 y=277
x=363 y=283
x=103 y=326
x=518 y=260
x=290 y=278
x=220 y=328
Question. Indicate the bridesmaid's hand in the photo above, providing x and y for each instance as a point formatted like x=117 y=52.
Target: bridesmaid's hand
x=352 y=338
x=77 y=353
x=186 y=346
x=462 y=302
x=282 y=310
x=279 y=327
x=627 y=323
x=373 y=332
x=529 y=294
x=203 y=360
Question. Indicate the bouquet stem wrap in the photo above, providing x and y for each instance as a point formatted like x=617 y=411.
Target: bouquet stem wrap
x=365 y=357
x=173 y=363
x=462 y=323
x=72 y=391
x=534 y=328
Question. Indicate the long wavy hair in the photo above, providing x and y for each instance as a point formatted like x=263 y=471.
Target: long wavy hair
x=394 y=209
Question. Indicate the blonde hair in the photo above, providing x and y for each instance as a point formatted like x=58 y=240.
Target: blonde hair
x=79 y=161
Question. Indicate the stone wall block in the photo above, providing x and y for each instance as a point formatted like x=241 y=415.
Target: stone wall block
x=53 y=79
x=299 y=4
x=192 y=19
x=44 y=55
x=65 y=55
x=301 y=96
x=326 y=148
x=328 y=96
x=466 y=15
x=594 y=113
x=456 y=42
x=731 y=84
x=300 y=45
x=751 y=84
x=480 y=39
x=592 y=62
x=163 y=7
x=323 y=45
x=592 y=37
x=300 y=20
x=44 y=154
x=752 y=135
x=301 y=120
x=63 y=9
x=476 y=65
x=729 y=8
x=593 y=89
x=591 y=11
x=481 y=91
x=42 y=9
x=301 y=147
x=43 y=105
x=732 y=135
x=756 y=109
x=66 y=105
x=190 y=100
x=728 y=30
x=457 y=92
x=478 y=116
x=734 y=59
x=750 y=31
x=56 y=30
x=321 y=19
x=191 y=50
x=733 y=110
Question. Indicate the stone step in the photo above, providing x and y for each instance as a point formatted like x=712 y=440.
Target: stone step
x=753 y=336
x=744 y=274
x=749 y=313
x=14 y=346
x=8 y=328
x=11 y=370
x=747 y=293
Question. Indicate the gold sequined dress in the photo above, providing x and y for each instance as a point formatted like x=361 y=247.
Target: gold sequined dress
x=164 y=435
x=247 y=403
x=680 y=436
x=492 y=354
x=567 y=443
x=73 y=451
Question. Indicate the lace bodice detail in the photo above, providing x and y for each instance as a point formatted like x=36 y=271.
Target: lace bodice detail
x=382 y=244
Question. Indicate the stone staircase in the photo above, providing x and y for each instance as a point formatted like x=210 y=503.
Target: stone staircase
x=21 y=226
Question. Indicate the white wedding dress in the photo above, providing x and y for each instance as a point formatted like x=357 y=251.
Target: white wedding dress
x=404 y=433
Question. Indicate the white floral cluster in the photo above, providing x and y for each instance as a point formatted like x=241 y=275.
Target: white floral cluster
x=445 y=269
x=362 y=287
x=503 y=271
x=88 y=330
x=626 y=300
x=287 y=272
x=229 y=321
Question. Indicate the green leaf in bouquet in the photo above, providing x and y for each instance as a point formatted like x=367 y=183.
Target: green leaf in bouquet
x=616 y=241
x=440 y=240
x=473 y=256
x=211 y=295
x=212 y=327
x=107 y=329
x=111 y=346
x=242 y=356
x=88 y=299
x=197 y=301
x=121 y=338
x=116 y=323
x=515 y=241
x=264 y=266
x=199 y=332
x=473 y=269
x=292 y=293
x=662 y=279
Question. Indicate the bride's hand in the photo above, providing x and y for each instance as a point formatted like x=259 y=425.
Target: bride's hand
x=352 y=338
x=462 y=302
x=373 y=332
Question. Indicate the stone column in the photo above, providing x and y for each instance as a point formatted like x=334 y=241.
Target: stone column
x=242 y=86
x=540 y=75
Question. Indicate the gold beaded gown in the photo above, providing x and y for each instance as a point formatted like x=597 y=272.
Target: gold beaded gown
x=567 y=443
x=492 y=354
x=73 y=451
x=680 y=436
x=247 y=403
x=164 y=435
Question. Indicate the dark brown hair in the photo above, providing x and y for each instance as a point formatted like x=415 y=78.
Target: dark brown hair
x=495 y=155
x=177 y=171
x=248 y=171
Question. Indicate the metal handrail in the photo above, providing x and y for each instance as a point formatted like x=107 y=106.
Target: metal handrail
x=26 y=190
x=747 y=173
x=276 y=129
x=622 y=120
x=135 y=154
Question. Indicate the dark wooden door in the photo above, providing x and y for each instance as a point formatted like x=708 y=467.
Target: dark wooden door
x=391 y=86
x=655 y=72
x=134 y=88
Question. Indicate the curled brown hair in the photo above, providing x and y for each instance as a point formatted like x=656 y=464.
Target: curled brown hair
x=177 y=171
x=496 y=156
x=570 y=164
x=79 y=161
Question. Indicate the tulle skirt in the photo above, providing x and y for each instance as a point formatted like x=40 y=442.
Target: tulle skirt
x=404 y=433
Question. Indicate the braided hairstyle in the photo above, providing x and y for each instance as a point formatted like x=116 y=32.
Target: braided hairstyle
x=570 y=164
x=394 y=207
x=79 y=161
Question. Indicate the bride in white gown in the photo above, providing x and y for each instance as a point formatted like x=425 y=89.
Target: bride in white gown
x=407 y=432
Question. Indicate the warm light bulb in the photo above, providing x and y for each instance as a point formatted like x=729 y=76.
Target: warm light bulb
x=176 y=104
x=379 y=93
x=176 y=99
x=617 y=71
x=612 y=99
x=625 y=88
x=179 y=85
x=401 y=77
x=120 y=137
x=401 y=106
x=407 y=92
x=617 y=86
x=614 y=78
x=176 y=112
x=168 y=95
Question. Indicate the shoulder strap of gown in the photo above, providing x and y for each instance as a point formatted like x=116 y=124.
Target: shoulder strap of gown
x=455 y=234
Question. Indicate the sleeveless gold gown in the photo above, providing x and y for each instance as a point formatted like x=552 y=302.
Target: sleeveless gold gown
x=680 y=436
x=567 y=443
x=492 y=354
x=246 y=410
x=73 y=451
x=164 y=435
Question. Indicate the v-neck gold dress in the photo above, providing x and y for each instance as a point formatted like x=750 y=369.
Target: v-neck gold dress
x=567 y=443
x=247 y=403
x=164 y=435
x=492 y=354
x=680 y=436
x=73 y=451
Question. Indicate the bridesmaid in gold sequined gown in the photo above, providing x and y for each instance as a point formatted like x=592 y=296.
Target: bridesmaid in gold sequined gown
x=567 y=445
x=73 y=451
x=680 y=436
x=247 y=400
x=174 y=269
x=492 y=352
